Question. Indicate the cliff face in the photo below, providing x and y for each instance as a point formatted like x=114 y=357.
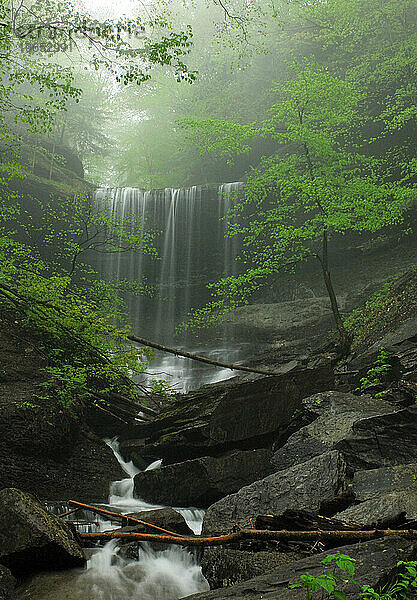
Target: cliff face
x=44 y=449
x=50 y=171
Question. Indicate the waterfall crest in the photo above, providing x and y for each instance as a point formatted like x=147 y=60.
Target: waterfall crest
x=191 y=243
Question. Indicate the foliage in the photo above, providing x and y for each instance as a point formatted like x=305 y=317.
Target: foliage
x=73 y=321
x=74 y=329
x=48 y=26
x=36 y=88
x=239 y=54
x=378 y=373
x=314 y=187
x=361 y=320
x=329 y=583
x=71 y=227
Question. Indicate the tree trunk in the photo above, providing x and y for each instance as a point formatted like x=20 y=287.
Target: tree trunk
x=344 y=337
x=209 y=361
x=51 y=164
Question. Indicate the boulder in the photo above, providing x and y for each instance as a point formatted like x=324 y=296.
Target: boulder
x=7 y=585
x=383 y=440
x=375 y=562
x=45 y=450
x=386 y=479
x=295 y=320
x=230 y=415
x=167 y=518
x=334 y=414
x=223 y=567
x=202 y=481
x=31 y=539
x=384 y=509
x=312 y=485
x=84 y=475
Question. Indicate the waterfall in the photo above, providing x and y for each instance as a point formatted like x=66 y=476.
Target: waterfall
x=157 y=574
x=164 y=575
x=193 y=250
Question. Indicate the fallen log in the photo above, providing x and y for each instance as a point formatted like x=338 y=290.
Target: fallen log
x=111 y=516
x=251 y=534
x=209 y=361
x=109 y=412
x=131 y=405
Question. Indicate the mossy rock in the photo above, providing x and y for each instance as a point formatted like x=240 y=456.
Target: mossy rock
x=31 y=539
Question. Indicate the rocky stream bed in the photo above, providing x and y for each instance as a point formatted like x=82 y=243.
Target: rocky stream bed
x=310 y=438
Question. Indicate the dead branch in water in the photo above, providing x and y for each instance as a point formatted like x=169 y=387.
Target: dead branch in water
x=217 y=363
x=111 y=516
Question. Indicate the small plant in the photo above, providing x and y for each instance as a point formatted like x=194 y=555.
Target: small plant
x=27 y=405
x=403 y=588
x=378 y=373
x=327 y=584
x=376 y=311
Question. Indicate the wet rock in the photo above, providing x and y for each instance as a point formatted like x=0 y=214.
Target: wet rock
x=55 y=585
x=312 y=485
x=387 y=479
x=387 y=496
x=232 y=414
x=167 y=518
x=7 y=585
x=379 y=441
x=296 y=320
x=223 y=567
x=132 y=450
x=388 y=508
x=85 y=474
x=334 y=414
x=45 y=450
x=375 y=561
x=31 y=539
x=201 y=481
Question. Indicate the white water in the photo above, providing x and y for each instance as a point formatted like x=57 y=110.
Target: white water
x=121 y=492
x=157 y=575
x=193 y=249
x=165 y=575
x=187 y=244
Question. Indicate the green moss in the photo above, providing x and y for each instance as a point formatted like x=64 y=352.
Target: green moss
x=393 y=303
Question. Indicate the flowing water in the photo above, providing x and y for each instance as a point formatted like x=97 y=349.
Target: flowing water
x=121 y=492
x=157 y=575
x=165 y=575
x=194 y=249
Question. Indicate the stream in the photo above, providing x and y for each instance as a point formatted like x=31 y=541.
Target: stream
x=157 y=575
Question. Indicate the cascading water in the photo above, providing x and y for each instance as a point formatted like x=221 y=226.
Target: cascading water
x=193 y=250
x=165 y=575
x=121 y=492
x=158 y=575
